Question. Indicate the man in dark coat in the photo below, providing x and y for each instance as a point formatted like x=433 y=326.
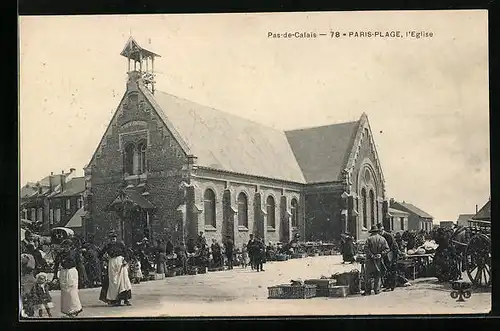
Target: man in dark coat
x=260 y=254
x=229 y=245
x=375 y=248
x=347 y=248
x=251 y=247
x=93 y=265
x=28 y=240
x=201 y=242
x=390 y=259
x=216 y=254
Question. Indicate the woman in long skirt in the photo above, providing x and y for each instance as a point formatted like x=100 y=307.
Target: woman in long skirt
x=68 y=259
x=120 y=287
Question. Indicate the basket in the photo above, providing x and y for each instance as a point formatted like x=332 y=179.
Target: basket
x=193 y=271
x=322 y=286
x=338 y=291
x=281 y=257
x=202 y=270
x=288 y=291
x=299 y=255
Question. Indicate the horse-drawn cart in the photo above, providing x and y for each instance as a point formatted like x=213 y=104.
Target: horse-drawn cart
x=473 y=244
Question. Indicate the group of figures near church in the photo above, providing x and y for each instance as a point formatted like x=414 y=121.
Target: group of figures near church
x=115 y=267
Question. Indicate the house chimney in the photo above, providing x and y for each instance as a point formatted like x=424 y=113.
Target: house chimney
x=62 y=179
x=51 y=182
x=476 y=209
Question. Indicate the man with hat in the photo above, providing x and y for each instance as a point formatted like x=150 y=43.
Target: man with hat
x=229 y=250
x=390 y=259
x=119 y=287
x=252 y=247
x=375 y=248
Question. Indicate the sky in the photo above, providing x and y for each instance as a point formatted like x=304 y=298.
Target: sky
x=427 y=99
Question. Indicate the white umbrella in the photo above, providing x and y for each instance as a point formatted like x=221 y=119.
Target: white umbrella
x=22 y=234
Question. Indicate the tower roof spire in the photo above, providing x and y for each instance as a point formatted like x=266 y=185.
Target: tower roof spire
x=133 y=51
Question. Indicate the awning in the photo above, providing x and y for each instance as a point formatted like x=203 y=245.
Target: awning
x=133 y=197
x=76 y=220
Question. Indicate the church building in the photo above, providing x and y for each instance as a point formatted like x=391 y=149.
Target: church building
x=169 y=168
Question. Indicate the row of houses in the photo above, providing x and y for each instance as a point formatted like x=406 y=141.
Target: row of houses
x=54 y=201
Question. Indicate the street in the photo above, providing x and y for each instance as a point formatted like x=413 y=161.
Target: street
x=243 y=292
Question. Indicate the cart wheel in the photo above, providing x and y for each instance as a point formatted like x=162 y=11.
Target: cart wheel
x=478 y=258
x=454 y=294
x=467 y=294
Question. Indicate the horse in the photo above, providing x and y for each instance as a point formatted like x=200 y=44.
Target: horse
x=450 y=255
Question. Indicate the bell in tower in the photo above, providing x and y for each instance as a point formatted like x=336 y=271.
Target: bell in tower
x=140 y=64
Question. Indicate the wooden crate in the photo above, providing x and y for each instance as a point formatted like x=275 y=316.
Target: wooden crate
x=322 y=286
x=338 y=291
x=351 y=279
x=287 y=291
x=159 y=276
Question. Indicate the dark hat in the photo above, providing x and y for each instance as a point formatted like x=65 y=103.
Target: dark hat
x=112 y=234
x=380 y=226
x=251 y=234
x=374 y=229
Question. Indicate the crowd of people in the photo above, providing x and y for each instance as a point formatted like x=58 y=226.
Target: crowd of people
x=114 y=267
x=382 y=250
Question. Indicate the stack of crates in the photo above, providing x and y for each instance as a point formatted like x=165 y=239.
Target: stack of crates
x=322 y=286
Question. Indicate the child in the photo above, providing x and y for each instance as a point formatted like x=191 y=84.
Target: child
x=135 y=269
x=40 y=295
x=244 y=256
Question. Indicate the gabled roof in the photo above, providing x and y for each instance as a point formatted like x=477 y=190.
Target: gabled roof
x=75 y=186
x=76 y=220
x=414 y=210
x=484 y=213
x=394 y=211
x=322 y=152
x=464 y=217
x=227 y=142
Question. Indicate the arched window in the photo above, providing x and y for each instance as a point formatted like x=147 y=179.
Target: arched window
x=242 y=210
x=372 y=206
x=128 y=159
x=295 y=213
x=142 y=156
x=271 y=207
x=364 y=202
x=209 y=208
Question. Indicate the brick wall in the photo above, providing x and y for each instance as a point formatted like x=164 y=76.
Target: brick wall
x=165 y=159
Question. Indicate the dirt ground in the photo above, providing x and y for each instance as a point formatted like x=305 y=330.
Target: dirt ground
x=243 y=292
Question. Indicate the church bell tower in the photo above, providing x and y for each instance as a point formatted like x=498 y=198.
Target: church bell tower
x=140 y=64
